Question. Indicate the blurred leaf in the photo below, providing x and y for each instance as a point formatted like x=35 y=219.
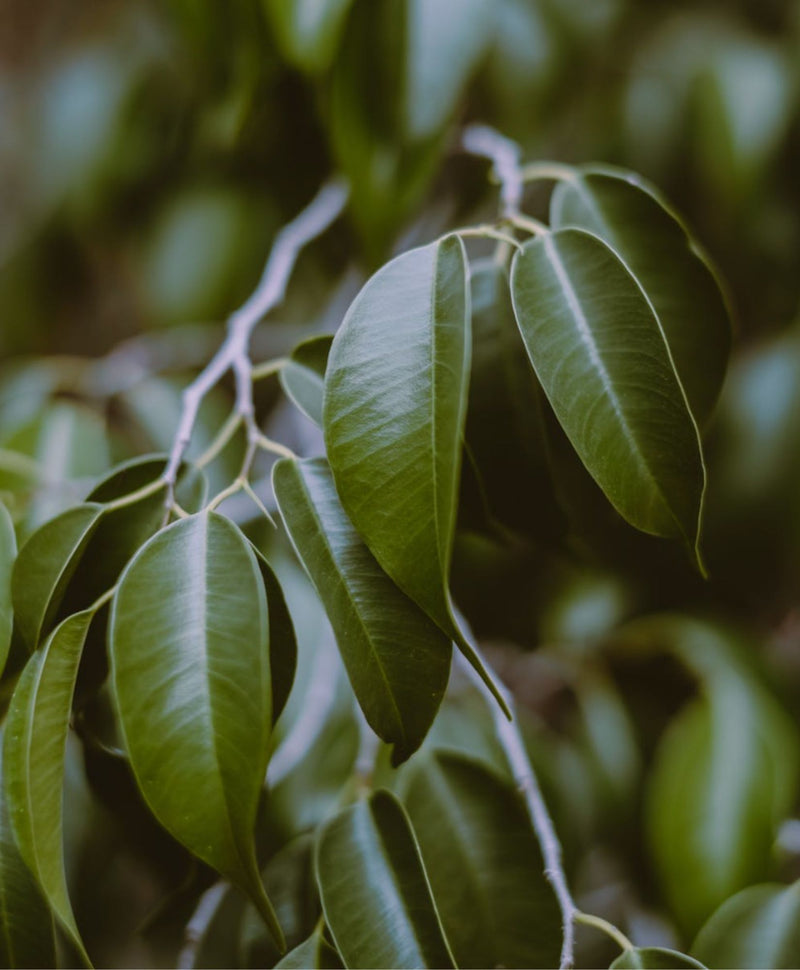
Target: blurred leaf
x=375 y=894
x=484 y=864
x=630 y=216
x=600 y=356
x=45 y=565
x=303 y=376
x=188 y=636
x=8 y=553
x=367 y=611
x=394 y=416
x=652 y=958
x=34 y=749
x=758 y=927
x=724 y=777
x=308 y=31
x=27 y=938
x=313 y=954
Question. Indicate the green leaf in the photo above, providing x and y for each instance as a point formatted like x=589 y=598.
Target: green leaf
x=724 y=777
x=388 y=645
x=375 y=894
x=27 y=938
x=303 y=376
x=8 y=553
x=484 y=864
x=683 y=291
x=315 y=953
x=45 y=565
x=758 y=927
x=653 y=958
x=603 y=363
x=34 y=752
x=282 y=640
x=308 y=31
x=394 y=416
x=189 y=642
x=504 y=421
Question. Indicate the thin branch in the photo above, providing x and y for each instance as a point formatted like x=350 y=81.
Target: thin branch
x=505 y=156
x=198 y=925
x=510 y=739
x=233 y=354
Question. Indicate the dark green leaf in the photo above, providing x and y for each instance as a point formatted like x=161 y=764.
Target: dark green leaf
x=387 y=643
x=45 y=565
x=603 y=363
x=308 y=33
x=394 y=416
x=724 y=778
x=313 y=954
x=189 y=642
x=34 y=751
x=303 y=376
x=8 y=553
x=656 y=248
x=375 y=894
x=27 y=939
x=758 y=927
x=484 y=865
x=653 y=958
x=282 y=640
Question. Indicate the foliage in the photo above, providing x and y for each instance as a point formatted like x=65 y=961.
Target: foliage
x=448 y=618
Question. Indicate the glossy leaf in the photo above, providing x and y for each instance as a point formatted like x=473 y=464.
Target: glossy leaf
x=603 y=363
x=33 y=754
x=375 y=894
x=189 y=642
x=394 y=416
x=8 y=553
x=484 y=864
x=308 y=31
x=653 y=958
x=504 y=422
x=388 y=645
x=660 y=254
x=315 y=953
x=45 y=565
x=724 y=778
x=758 y=927
x=303 y=376
x=282 y=640
x=27 y=938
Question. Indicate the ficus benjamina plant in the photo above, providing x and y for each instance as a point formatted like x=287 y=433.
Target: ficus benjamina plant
x=367 y=806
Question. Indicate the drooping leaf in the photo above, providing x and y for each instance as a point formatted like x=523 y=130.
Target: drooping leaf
x=34 y=749
x=653 y=958
x=8 y=553
x=758 y=927
x=603 y=363
x=46 y=564
x=375 y=894
x=27 y=938
x=484 y=864
x=282 y=640
x=315 y=953
x=308 y=31
x=394 y=415
x=303 y=376
x=724 y=778
x=660 y=254
x=189 y=645
x=504 y=422
x=388 y=645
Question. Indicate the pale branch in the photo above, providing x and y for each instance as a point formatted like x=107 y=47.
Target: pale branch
x=233 y=353
x=511 y=741
x=506 y=158
x=198 y=925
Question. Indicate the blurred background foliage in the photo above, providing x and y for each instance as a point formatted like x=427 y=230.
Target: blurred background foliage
x=149 y=151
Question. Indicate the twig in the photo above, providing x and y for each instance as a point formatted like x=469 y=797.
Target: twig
x=198 y=925
x=505 y=156
x=233 y=354
x=508 y=734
